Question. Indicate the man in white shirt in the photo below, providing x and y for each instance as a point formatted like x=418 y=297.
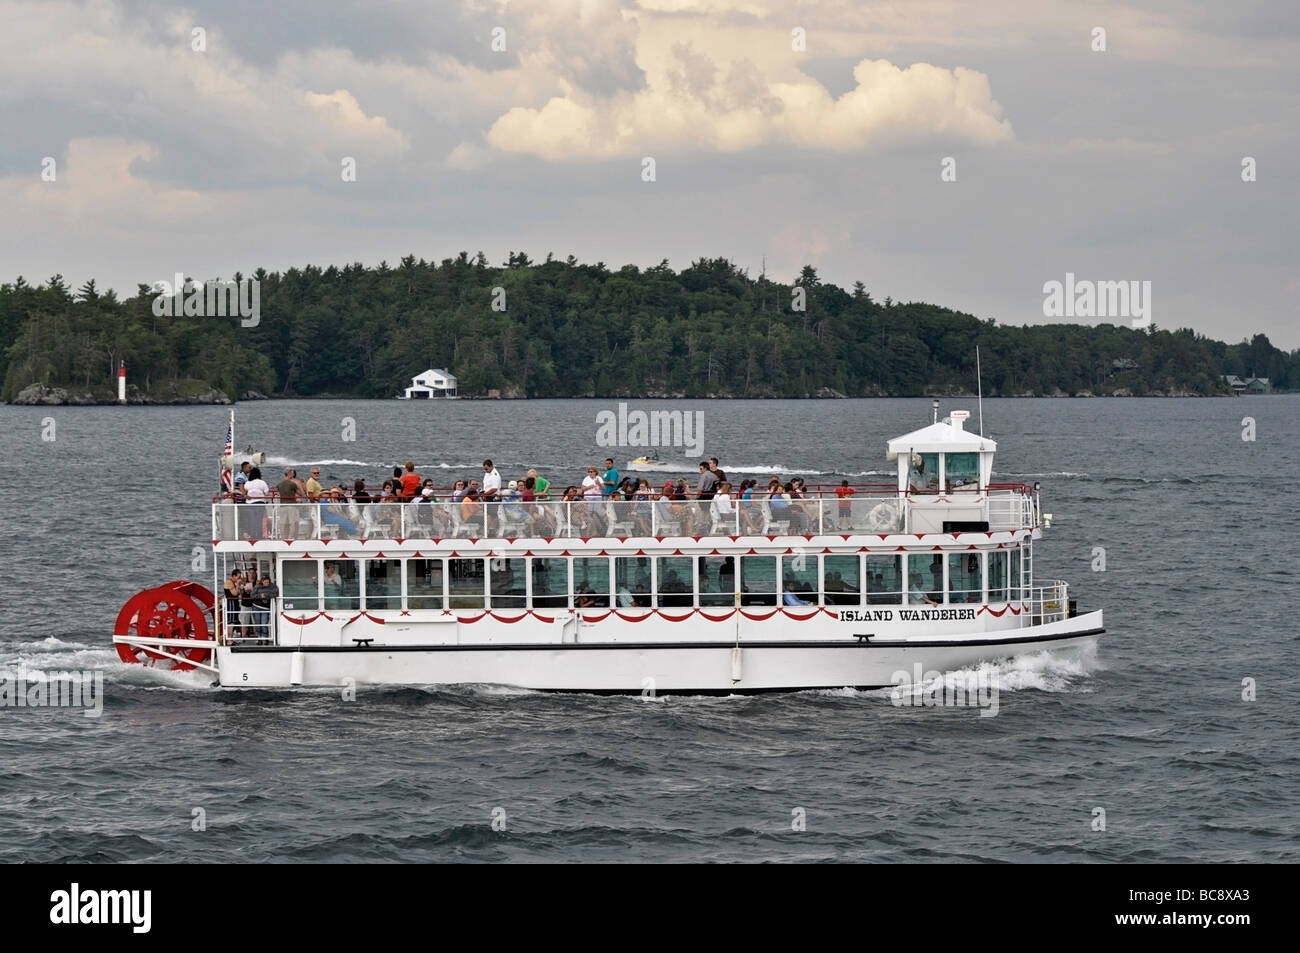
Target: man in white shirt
x=491 y=482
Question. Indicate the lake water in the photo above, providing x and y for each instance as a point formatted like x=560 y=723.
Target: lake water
x=1195 y=523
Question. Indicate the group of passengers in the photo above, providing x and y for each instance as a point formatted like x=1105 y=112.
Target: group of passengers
x=511 y=507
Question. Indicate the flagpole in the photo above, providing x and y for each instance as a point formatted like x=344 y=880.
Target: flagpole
x=232 y=451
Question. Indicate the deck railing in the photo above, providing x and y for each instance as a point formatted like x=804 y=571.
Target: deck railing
x=1005 y=508
x=1048 y=603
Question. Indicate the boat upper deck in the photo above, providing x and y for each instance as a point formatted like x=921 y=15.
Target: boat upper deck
x=871 y=509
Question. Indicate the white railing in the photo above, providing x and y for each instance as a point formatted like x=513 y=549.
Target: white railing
x=1048 y=603
x=761 y=516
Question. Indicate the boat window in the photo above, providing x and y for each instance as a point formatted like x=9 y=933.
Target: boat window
x=465 y=583
x=632 y=581
x=884 y=581
x=341 y=581
x=998 y=576
x=758 y=580
x=298 y=584
x=591 y=582
x=924 y=472
x=717 y=580
x=383 y=584
x=799 y=580
x=962 y=470
x=924 y=578
x=840 y=582
x=550 y=583
x=1015 y=576
x=424 y=583
x=964 y=577
x=508 y=578
x=676 y=581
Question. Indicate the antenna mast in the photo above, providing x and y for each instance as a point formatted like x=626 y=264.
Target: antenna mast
x=979 y=383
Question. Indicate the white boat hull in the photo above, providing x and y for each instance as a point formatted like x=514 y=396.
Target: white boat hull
x=648 y=667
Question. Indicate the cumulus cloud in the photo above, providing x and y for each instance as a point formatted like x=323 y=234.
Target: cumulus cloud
x=691 y=102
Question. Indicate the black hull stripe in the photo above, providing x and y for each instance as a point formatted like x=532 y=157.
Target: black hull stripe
x=850 y=643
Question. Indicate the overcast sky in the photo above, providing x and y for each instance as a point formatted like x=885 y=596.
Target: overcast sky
x=1117 y=165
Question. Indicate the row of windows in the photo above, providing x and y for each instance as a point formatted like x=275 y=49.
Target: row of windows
x=651 y=582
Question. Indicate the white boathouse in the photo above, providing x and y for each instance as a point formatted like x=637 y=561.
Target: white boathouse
x=434 y=382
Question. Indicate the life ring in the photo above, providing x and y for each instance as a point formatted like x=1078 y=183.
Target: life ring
x=883 y=516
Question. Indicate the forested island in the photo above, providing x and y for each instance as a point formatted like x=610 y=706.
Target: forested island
x=561 y=328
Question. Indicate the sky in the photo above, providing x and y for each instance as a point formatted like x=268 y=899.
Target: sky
x=961 y=153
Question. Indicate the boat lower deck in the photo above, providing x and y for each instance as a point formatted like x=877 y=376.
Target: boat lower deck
x=646 y=667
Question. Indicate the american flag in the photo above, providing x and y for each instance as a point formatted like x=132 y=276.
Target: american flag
x=228 y=476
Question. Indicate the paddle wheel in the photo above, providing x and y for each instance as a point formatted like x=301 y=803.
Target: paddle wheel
x=167 y=627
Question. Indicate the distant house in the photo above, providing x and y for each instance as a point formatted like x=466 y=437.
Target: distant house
x=1124 y=364
x=432 y=383
x=1258 y=385
x=1248 y=385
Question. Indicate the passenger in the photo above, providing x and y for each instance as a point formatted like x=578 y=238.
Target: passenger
x=528 y=490
x=797 y=514
x=264 y=595
x=230 y=589
x=918 y=597
x=359 y=493
x=470 y=507
x=333 y=587
x=410 y=482
x=491 y=482
x=727 y=575
x=256 y=523
x=708 y=483
x=540 y=486
x=314 y=489
x=332 y=513
x=458 y=491
x=917 y=479
x=845 y=494
x=641 y=511
x=255 y=488
x=592 y=486
x=241 y=478
x=586 y=597
x=723 y=511
x=719 y=474
x=610 y=481
x=299 y=483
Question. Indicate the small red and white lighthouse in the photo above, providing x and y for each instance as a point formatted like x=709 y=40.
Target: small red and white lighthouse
x=121 y=382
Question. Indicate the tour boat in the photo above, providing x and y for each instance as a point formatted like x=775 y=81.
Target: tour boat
x=932 y=572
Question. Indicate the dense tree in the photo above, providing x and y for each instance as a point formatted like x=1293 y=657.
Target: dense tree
x=574 y=329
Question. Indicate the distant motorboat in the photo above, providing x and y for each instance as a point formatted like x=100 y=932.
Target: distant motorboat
x=648 y=463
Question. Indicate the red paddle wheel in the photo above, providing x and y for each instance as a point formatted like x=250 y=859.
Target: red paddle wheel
x=156 y=625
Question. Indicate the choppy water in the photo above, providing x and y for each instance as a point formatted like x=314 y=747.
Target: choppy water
x=1197 y=525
